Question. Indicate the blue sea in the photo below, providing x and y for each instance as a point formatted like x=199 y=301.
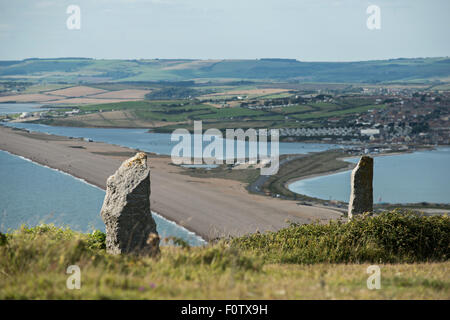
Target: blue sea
x=422 y=176
x=32 y=194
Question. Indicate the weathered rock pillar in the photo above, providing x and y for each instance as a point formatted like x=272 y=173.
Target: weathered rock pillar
x=126 y=209
x=361 y=196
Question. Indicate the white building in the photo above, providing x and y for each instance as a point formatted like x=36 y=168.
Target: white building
x=370 y=132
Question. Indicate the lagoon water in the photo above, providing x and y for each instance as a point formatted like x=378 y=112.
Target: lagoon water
x=422 y=176
x=8 y=108
x=159 y=143
x=32 y=194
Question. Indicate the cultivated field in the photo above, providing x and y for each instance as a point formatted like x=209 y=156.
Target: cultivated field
x=122 y=94
x=228 y=114
x=77 y=95
x=123 y=119
x=84 y=101
x=256 y=92
x=79 y=91
x=33 y=97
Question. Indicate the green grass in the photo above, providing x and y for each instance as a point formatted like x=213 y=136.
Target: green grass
x=135 y=105
x=277 y=95
x=390 y=237
x=222 y=172
x=293 y=109
x=174 y=110
x=184 y=111
x=329 y=111
x=299 y=262
x=228 y=113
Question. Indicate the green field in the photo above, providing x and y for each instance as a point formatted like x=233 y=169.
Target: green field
x=186 y=111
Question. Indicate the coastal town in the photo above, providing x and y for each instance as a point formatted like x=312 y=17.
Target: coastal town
x=407 y=118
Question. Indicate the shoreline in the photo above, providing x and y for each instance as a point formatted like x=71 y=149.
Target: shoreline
x=55 y=169
x=351 y=165
x=211 y=208
x=92 y=185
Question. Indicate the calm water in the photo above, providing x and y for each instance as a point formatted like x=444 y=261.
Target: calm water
x=7 y=108
x=152 y=142
x=408 y=178
x=32 y=194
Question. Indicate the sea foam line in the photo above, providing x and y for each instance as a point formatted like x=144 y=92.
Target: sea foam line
x=54 y=169
x=190 y=233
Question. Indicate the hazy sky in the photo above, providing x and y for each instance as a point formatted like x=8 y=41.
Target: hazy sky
x=308 y=30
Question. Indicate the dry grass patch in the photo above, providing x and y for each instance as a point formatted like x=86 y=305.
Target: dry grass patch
x=190 y=65
x=34 y=97
x=78 y=91
x=124 y=119
x=265 y=91
x=88 y=101
x=122 y=94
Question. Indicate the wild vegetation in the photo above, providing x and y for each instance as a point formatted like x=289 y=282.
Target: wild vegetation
x=390 y=237
x=308 y=261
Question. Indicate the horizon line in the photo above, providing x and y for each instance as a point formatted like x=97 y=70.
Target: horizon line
x=224 y=59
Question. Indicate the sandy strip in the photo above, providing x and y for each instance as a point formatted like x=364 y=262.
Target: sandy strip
x=209 y=207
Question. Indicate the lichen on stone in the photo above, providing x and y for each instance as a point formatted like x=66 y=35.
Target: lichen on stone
x=139 y=159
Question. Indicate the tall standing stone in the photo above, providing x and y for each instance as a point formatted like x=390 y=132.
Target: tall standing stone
x=126 y=209
x=361 y=196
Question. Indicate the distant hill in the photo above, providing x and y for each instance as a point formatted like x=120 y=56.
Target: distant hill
x=74 y=70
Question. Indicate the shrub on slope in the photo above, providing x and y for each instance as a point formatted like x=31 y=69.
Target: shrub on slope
x=389 y=237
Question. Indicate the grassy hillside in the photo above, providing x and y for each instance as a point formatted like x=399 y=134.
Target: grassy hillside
x=310 y=261
x=73 y=70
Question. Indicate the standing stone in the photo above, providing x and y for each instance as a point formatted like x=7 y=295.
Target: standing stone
x=361 y=196
x=126 y=209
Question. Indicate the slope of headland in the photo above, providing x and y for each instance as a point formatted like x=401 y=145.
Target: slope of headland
x=209 y=207
x=313 y=261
